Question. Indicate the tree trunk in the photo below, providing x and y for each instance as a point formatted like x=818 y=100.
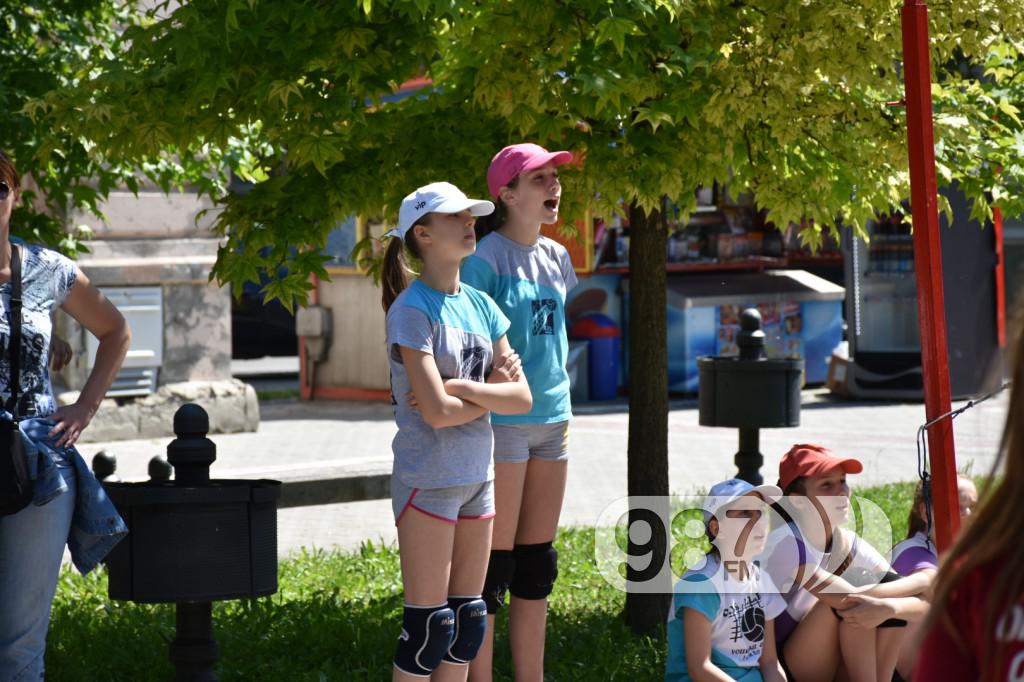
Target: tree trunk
x=646 y=612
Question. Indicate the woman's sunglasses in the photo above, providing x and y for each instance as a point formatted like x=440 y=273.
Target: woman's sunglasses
x=5 y=190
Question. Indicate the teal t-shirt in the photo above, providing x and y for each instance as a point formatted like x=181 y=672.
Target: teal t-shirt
x=737 y=610
x=529 y=284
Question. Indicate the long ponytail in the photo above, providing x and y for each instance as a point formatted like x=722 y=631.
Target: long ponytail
x=489 y=223
x=486 y=224
x=917 y=522
x=394 y=276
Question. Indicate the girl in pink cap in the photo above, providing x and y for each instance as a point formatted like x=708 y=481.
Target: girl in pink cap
x=845 y=606
x=528 y=276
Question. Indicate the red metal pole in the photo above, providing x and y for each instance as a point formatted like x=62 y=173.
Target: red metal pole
x=928 y=267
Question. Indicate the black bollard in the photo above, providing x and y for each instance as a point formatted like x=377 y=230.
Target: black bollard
x=194 y=540
x=104 y=466
x=194 y=651
x=159 y=468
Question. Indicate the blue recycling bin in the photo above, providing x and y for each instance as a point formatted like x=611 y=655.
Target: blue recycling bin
x=604 y=343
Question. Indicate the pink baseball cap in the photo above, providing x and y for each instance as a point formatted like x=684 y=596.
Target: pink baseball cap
x=520 y=158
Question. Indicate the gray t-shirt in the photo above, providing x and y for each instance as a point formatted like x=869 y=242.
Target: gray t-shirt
x=459 y=330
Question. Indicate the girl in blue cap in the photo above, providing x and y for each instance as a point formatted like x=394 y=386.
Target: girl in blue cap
x=721 y=624
x=450 y=366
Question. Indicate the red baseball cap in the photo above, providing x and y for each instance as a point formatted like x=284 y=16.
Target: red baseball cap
x=812 y=460
x=520 y=158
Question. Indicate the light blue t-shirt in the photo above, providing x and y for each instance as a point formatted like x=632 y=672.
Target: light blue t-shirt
x=737 y=610
x=529 y=284
x=459 y=330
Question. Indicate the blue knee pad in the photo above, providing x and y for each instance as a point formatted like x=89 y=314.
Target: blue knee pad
x=427 y=633
x=536 y=571
x=470 y=628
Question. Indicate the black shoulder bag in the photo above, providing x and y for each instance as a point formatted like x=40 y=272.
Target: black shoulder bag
x=15 y=484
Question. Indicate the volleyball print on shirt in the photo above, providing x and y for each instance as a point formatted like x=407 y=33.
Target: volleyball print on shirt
x=747 y=619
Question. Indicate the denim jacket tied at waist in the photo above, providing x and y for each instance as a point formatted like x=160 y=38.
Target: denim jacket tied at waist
x=95 y=524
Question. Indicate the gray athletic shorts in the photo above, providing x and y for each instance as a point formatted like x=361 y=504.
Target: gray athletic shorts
x=516 y=443
x=475 y=501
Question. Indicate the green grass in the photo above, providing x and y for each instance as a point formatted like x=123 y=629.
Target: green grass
x=337 y=616
x=277 y=394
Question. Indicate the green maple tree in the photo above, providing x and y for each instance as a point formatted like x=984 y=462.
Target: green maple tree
x=786 y=99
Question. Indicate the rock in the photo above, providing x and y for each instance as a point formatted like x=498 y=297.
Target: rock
x=187 y=391
x=71 y=397
x=252 y=408
x=232 y=406
x=113 y=422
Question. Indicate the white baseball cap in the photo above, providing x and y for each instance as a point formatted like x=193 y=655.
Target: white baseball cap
x=437 y=197
x=731 y=490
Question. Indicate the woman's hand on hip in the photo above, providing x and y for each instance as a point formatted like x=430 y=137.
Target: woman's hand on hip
x=71 y=421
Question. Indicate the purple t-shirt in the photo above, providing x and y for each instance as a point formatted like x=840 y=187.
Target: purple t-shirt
x=916 y=553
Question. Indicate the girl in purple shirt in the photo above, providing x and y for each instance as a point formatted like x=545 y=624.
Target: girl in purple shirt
x=917 y=555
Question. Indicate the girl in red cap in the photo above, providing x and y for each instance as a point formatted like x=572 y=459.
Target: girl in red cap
x=833 y=619
x=528 y=276
x=976 y=627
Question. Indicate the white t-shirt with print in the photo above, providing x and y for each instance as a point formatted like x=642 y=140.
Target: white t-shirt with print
x=737 y=608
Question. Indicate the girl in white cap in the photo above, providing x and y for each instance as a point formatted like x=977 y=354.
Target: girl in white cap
x=450 y=366
x=722 y=621
x=528 y=276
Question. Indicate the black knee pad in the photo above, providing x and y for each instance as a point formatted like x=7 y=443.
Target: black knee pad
x=500 y=570
x=536 y=571
x=427 y=633
x=470 y=628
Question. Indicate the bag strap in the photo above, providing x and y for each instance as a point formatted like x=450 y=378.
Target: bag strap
x=15 y=348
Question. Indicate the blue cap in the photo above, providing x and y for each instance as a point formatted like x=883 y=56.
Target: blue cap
x=725 y=492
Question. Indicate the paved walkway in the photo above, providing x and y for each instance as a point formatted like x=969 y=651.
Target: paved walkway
x=307 y=438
